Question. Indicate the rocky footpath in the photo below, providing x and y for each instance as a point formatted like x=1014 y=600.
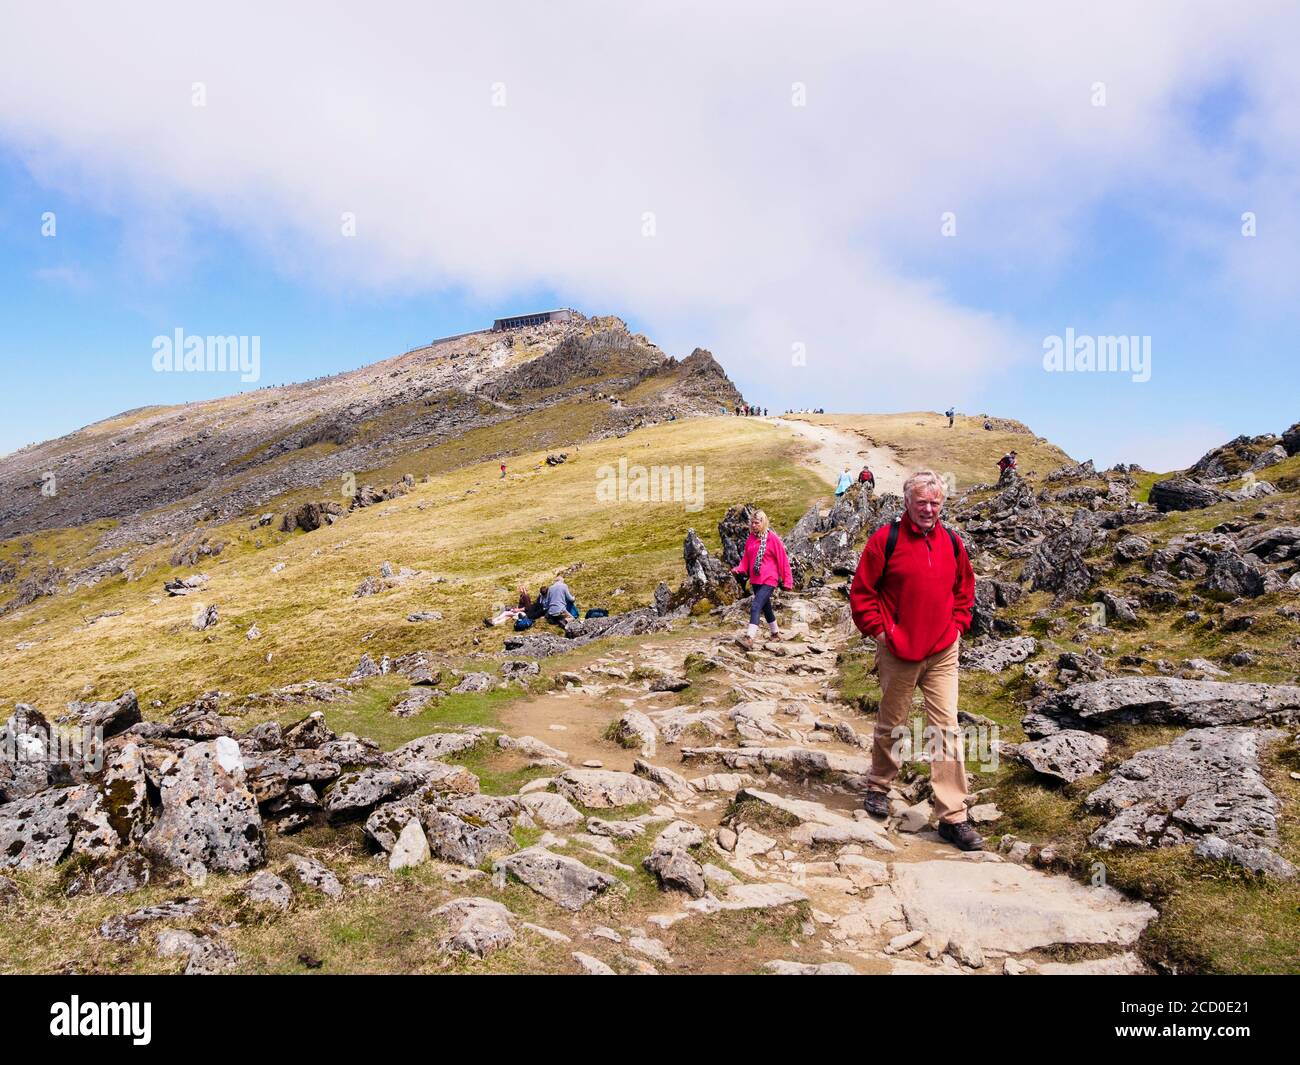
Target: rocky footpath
x=761 y=822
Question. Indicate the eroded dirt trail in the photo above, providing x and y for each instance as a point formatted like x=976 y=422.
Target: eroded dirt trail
x=836 y=447
x=772 y=735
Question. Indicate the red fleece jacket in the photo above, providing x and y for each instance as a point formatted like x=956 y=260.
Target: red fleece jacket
x=926 y=599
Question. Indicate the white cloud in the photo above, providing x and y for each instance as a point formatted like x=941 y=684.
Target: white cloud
x=775 y=224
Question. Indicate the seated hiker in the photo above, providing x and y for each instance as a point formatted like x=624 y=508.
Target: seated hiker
x=511 y=612
x=560 y=604
x=537 y=607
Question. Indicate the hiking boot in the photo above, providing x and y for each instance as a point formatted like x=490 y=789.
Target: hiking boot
x=961 y=835
x=745 y=642
x=876 y=803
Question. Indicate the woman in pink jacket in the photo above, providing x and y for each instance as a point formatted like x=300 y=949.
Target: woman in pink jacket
x=765 y=565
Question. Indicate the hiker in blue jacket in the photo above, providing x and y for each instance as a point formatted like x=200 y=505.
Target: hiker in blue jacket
x=842 y=485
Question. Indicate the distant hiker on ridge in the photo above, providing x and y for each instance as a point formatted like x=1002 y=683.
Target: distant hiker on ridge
x=1006 y=464
x=949 y=415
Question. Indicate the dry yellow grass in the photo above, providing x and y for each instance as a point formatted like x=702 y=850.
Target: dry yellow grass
x=967 y=450
x=472 y=536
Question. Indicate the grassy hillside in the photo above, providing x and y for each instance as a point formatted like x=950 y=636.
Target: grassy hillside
x=472 y=536
x=967 y=450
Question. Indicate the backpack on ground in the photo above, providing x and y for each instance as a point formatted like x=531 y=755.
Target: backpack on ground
x=522 y=622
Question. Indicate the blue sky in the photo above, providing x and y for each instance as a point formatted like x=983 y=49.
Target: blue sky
x=771 y=223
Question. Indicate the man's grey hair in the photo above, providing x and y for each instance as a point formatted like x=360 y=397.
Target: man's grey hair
x=920 y=479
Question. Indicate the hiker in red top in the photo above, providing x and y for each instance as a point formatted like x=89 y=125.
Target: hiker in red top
x=912 y=594
x=1006 y=464
x=868 y=477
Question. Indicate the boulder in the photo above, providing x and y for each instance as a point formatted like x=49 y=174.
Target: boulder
x=464 y=842
x=1057 y=561
x=1132 y=548
x=1067 y=755
x=113 y=717
x=476 y=926
x=474 y=682
x=204 y=955
x=41 y=829
x=411 y=848
x=674 y=783
x=1169 y=701
x=634 y=729
x=127 y=873
x=126 y=928
x=1256 y=859
x=353 y=794
x=1206 y=782
x=600 y=789
x=1183 y=493
x=1291 y=440
x=209 y=818
x=550 y=810
x=267 y=889
x=998 y=655
x=564 y=880
x=316 y=875
x=671 y=861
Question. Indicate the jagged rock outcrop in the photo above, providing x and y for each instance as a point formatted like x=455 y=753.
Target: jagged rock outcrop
x=819 y=546
x=1057 y=562
x=1066 y=755
x=1234 y=458
x=1007 y=523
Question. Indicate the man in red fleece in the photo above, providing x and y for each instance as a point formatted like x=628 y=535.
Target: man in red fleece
x=916 y=615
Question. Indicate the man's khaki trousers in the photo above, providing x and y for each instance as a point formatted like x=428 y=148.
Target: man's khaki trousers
x=936 y=676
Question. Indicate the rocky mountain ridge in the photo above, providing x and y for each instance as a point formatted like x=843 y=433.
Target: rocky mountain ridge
x=157 y=471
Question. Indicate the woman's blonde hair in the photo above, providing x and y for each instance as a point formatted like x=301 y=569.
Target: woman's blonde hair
x=761 y=518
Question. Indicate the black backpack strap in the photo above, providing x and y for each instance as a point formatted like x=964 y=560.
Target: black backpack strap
x=956 y=545
x=890 y=542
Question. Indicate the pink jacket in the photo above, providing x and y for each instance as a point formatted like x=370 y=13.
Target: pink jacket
x=776 y=566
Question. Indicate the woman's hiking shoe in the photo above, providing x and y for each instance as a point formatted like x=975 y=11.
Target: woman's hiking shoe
x=745 y=642
x=876 y=803
x=961 y=835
